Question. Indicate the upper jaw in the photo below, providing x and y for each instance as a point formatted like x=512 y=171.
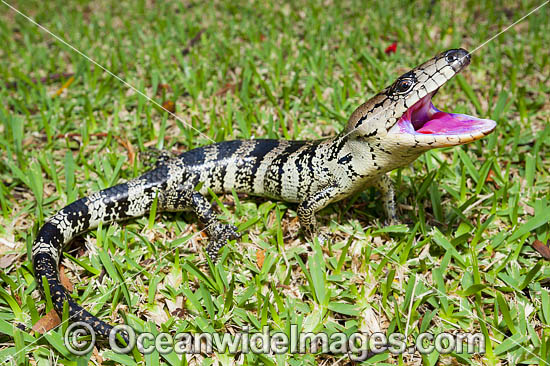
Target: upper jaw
x=423 y=124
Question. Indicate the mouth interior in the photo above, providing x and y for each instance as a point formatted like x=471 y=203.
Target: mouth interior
x=424 y=118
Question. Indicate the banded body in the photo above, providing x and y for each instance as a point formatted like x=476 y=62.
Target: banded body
x=388 y=131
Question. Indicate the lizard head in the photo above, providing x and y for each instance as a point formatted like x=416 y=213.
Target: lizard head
x=403 y=114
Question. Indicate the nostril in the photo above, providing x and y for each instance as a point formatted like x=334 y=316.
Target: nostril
x=460 y=55
x=465 y=55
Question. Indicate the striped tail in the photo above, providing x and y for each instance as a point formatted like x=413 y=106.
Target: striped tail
x=46 y=251
x=123 y=201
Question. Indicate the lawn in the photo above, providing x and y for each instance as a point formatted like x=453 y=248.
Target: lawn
x=462 y=261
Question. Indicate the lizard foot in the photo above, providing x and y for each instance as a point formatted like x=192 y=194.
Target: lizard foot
x=219 y=235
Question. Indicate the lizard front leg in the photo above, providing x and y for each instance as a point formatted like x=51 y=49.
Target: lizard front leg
x=218 y=232
x=309 y=206
x=385 y=185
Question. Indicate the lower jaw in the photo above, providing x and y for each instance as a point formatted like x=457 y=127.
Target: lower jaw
x=430 y=141
x=434 y=128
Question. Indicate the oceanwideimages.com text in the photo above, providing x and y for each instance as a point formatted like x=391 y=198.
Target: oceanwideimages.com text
x=79 y=339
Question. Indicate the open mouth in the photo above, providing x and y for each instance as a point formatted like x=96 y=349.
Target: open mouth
x=424 y=119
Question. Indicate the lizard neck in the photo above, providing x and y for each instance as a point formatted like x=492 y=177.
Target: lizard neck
x=373 y=157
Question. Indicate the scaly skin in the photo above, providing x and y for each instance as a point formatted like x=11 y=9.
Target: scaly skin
x=310 y=173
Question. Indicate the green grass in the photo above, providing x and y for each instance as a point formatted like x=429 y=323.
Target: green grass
x=461 y=263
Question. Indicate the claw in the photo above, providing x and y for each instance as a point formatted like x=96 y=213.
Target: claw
x=233 y=233
x=219 y=235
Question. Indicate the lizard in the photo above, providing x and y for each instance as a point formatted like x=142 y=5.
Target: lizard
x=388 y=131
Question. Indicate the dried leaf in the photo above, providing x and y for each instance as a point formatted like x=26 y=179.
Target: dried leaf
x=10 y=244
x=52 y=77
x=157 y=314
x=192 y=42
x=147 y=261
x=490 y=179
x=128 y=146
x=7 y=260
x=77 y=136
x=227 y=87
x=260 y=257
x=180 y=313
x=542 y=248
x=529 y=210
x=47 y=322
x=173 y=279
x=163 y=88
x=65 y=280
x=64 y=86
x=98 y=357
x=169 y=106
x=490 y=176
x=174 y=306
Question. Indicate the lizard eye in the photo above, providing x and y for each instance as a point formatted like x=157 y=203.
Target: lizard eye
x=403 y=86
x=451 y=57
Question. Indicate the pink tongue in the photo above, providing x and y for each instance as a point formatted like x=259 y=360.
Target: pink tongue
x=443 y=123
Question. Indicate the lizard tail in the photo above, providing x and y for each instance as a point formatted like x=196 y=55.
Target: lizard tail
x=46 y=251
x=123 y=201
